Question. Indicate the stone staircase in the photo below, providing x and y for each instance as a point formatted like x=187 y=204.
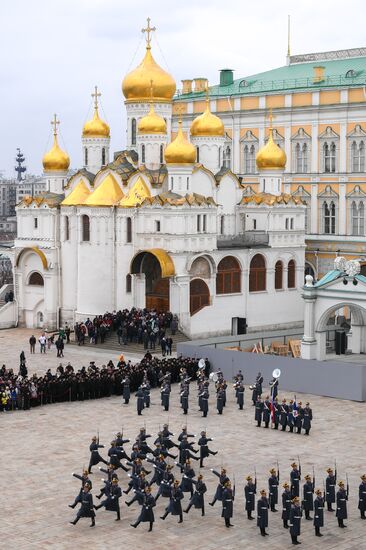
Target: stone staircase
x=111 y=343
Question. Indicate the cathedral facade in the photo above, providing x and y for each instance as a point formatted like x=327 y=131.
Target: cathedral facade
x=164 y=224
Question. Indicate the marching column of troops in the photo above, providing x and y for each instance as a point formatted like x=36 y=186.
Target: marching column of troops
x=171 y=481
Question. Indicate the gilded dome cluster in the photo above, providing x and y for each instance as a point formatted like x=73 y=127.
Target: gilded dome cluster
x=96 y=127
x=207 y=124
x=180 y=150
x=152 y=123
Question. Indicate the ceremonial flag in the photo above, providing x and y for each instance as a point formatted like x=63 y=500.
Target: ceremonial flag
x=272 y=405
x=295 y=409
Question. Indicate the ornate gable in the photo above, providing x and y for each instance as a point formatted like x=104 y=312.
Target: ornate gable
x=301 y=192
x=328 y=133
x=301 y=135
x=249 y=137
x=357 y=132
x=328 y=193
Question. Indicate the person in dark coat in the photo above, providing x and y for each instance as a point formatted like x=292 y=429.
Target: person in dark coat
x=188 y=474
x=147 y=512
x=203 y=445
x=299 y=418
x=318 y=512
x=84 y=478
x=126 y=390
x=165 y=395
x=86 y=509
x=250 y=491
x=95 y=457
x=273 y=489
x=295 y=480
x=167 y=480
x=227 y=504
x=258 y=411
x=362 y=497
x=257 y=388
x=330 y=484
x=185 y=451
x=111 y=503
x=290 y=416
x=198 y=499
x=140 y=401
x=308 y=499
x=274 y=387
x=204 y=396
x=341 y=499
x=307 y=417
x=295 y=520
x=262 y=512
x=266 y=411
x=184 y=398
x=175 y=506
x=220 y=487
x=286 y=504
x=240 y=395
x=146 y=390
x=283 y=414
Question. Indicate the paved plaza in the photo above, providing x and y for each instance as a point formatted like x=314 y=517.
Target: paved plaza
x=41 y=448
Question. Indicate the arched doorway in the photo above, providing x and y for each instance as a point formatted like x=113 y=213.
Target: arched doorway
x=39 y=320
x=342 y=328
x=199 y=295
x=6 y=279
x=157 y=266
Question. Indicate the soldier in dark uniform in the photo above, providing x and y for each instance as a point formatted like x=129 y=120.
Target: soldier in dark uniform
x=220 y=400
x=140 y=483
x=257 y=389
x=95 y=457
x=299 y=417
x=184 y=398
x=86 y=509
x=84 y=478
x=115 y=455
x=262 y=513
x=274 y=387
x=362 y=497
x=140 y=403
x=185 y=450
x=266 y=411
x=188 y=474
x=276 y=413
x=259 y=411
x=146 y=390
x=126 y=390
x=175 y=504
x=273 y=489
x=295 y=520
x=204 y=450
x=198 y=499
x=168 y=443
x=147 y=512
x=227 y=504
x=318 y=512
x=290 y=416
x=220 y=487
x=295 y=480
x=341 y=498
x=240 y=395
x=286 y=504
x=111 y=503
x=167 y=480
x=308 y=499
x=183 y=434
x=250 y=491
x=307 y=416
x=330 y=484
x=283 y=414
x=165 y=395
x=204 y=401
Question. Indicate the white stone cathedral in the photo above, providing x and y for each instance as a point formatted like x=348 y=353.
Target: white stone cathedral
x=160 y=225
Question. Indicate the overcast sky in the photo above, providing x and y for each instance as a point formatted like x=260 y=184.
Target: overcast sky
x=54 y=52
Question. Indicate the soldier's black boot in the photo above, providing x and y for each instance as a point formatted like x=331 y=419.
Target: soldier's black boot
x=135 y=524
x=203 y=510
x=118 y=518
x=213 y=502
x=151 y=526
x=164 y=516
x=363 y=515
x=73 y=505
x=201 y=463
x=317 y=532
x=75 y=521
x=249 y=514
x=285 y=524
x=227 y=522
x=263 y=532
x=340 y=523
x=92 y=523
x=180 y=518
x=189 y=507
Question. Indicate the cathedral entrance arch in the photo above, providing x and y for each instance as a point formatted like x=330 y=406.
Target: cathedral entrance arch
x=157 y=267
x=199 y=295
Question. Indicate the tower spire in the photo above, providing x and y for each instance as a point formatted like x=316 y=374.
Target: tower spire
x=288 y=39
x=148 y=32
x=19 y=159
x=95 y=95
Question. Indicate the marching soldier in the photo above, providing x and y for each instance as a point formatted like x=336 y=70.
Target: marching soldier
x=240 y=395
x=308 y=501
x=295 y=520
x=330 y=484
x=295 y=480
x=140 y=403
x=307 y=418
x=126 y=390
x=95 y=457
x=146 y=390
x=250 y=491
x=111 y=503
x=175 y=505
x=259 y=411
x=167 y=480
x=266 y=411
x=283 y=414
x=185 y=451
x=286 y=504
x=298 y=418
x=220 y=398
x=227 y=504
x=203 y=445
x=342 y=498
x=147 y=512
x=276 y=413
x=184 y=397
x=204 y=401
x=165 y=394
x=362 y=496
x=188 y=474
x=84 y=478
x=318 y=512
x=274 y=387
x=86 y=509
x=273 y=489
x=198 y=499
x=220 y=487
x=290 y=416
x=257 y=389
x=140 y=484
x=262 y=513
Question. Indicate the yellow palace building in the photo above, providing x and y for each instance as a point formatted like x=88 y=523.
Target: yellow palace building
x=319 y=110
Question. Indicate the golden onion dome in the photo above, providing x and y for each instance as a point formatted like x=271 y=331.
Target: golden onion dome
x=180 y=150
x=207 y=124
x=151 y=123
x=55 y=160
x=96 y=127
x=136 y=84
x=271 y=156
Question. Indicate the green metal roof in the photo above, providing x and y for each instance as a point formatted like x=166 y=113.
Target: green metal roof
x=293 y=77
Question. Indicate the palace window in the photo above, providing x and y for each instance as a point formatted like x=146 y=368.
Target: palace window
x=226 y=161
x=133 y=131
x=129 y=230
x=358 y=218
x=257 y=274
x=35 y=223
x=301 y=155
x=278 y=275
x=128 y=283
x=228 y=276
x=85 y=228
x=358 y=156
x=329 y=218
x=86 y=156
x=103 y=156
x=161 y=154
x=36 y=279
x=157 y=226
x=67 y=228
x=249 y=159
x=197 y=154
x=199 y=295
x=143 y=153
x=329 y=157
x=291 y=274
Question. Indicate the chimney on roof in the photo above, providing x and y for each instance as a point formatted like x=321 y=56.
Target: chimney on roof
x=187 y=86
x=318 y=74
x=200 y=84
x=226 y=77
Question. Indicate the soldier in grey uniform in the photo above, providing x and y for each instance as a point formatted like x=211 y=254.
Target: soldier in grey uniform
x=341 y=498
x=262 y=513
x=308 y=499
x=362 y=496
x=86 y=509
x=273 y=489
x=318 y=512
x=286 y=504
x=330 y=484
x=250 y=491
x=228 y=498
x=295 y=520
x=198 y=499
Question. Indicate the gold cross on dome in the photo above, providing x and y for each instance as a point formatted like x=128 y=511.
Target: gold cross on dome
x=96 y=94
x=271 y=117
x=148 y=31
x=54 y=123
x=179 y=110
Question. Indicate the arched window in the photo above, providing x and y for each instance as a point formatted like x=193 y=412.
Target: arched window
x=86 y=156
x=85 y=227
x=333 y=157
x=291 y=274
x=279 y=275
x=249 y=159
x=329 y=157
x=301 y=155
x=257 y=274
x=358 y=218
x=198 y=154
x=329 y=217
x=326 y=157
x=199 y=294
x=143 y=153
x=128 y=283
x=133 y=131
x=103 y=156
x=161 y=154
x=67 y=228
x=36 y=279
x=228 y=276
x=227 y=157
x=358 y=157
x=129 y=230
